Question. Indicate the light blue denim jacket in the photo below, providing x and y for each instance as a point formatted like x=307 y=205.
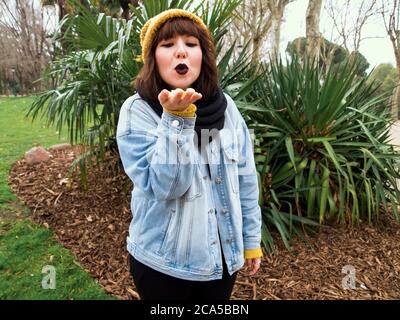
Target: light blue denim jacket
x=178 y=207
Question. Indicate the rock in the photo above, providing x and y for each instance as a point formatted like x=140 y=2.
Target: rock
x=36 y=155
x=61 y=146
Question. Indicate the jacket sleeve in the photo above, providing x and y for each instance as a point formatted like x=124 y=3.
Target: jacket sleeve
x=249 y=192
x=158 y=158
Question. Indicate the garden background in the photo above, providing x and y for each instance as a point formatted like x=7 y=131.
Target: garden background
x=326 y=144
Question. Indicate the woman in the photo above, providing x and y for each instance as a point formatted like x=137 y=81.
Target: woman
x=188 y=151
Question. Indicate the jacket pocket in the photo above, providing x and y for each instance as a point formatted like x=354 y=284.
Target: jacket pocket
x=167 y=231
x=231 y=161
x=139 y=207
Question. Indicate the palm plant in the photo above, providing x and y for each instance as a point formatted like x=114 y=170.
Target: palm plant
x=322 y=147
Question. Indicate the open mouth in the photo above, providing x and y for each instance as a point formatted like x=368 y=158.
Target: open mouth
x=181 y=68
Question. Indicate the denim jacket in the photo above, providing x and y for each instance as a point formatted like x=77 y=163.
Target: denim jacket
x=187 y=205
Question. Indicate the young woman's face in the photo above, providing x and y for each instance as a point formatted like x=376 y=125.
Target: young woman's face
x=179 y=61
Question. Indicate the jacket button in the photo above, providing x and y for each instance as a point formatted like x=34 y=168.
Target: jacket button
x=224 y=210
x=211 y=211
x=229 y=240
x=218 y=180
x=175 y=123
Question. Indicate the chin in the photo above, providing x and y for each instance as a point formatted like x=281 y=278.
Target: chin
x=183 y=86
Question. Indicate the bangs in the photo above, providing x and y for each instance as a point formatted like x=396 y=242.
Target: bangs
x=175 y=27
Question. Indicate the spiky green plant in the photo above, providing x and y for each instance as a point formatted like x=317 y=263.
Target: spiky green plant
x=322 y=147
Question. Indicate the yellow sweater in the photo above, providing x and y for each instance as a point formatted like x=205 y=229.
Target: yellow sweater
x=253 y=253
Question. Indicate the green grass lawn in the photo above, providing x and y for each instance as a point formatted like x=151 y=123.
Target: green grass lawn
x=26 y=248
x=18 y=135
x=26 y=251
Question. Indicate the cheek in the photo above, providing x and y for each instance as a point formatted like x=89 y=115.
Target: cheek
x=198 y=58
x=161 y=59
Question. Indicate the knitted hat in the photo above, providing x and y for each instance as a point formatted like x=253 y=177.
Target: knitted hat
x=150 y=28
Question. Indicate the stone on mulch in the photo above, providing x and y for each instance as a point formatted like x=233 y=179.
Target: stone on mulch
x=36 y=155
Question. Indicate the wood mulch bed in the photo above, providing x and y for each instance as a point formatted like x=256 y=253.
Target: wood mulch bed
x=94 y=226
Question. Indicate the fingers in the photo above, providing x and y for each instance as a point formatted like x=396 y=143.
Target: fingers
x=196 y=97
x=188 y=95
x=163 y=96
x=253 y=265
x=178 y=97
x=192 y=95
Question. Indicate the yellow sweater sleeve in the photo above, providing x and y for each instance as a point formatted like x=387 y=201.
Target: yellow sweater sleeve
x=253 y=253
x=189 y=112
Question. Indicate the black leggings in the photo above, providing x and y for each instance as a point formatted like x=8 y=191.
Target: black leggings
x=154 y=285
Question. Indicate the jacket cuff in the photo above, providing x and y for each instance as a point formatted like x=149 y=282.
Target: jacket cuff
x=177 y=123
x=253 y=253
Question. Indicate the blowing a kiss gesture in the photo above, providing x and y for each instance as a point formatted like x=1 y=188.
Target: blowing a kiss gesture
x=178 y=100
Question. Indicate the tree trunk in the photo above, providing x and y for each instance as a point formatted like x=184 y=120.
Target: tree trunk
x=312 y=29
x=257 y=42
x=277 y=17
x=393 y=29
x=396 y=94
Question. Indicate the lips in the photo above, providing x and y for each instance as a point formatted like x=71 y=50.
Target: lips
x=182 y=68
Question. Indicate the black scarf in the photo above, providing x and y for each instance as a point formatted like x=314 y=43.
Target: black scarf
x=210 y=113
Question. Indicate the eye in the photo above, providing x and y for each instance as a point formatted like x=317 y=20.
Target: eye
x=167 y=45
x=191 y=44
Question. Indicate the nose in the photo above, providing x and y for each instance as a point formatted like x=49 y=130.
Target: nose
x=181 y=50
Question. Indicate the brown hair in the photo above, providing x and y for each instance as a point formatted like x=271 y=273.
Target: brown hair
x=149 y=82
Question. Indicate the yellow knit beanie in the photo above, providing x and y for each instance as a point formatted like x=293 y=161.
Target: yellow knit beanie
x=151 y=27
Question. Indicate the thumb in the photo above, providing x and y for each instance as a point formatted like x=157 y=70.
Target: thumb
x=248 y=263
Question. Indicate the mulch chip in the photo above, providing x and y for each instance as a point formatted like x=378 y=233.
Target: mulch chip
x=94 y=226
